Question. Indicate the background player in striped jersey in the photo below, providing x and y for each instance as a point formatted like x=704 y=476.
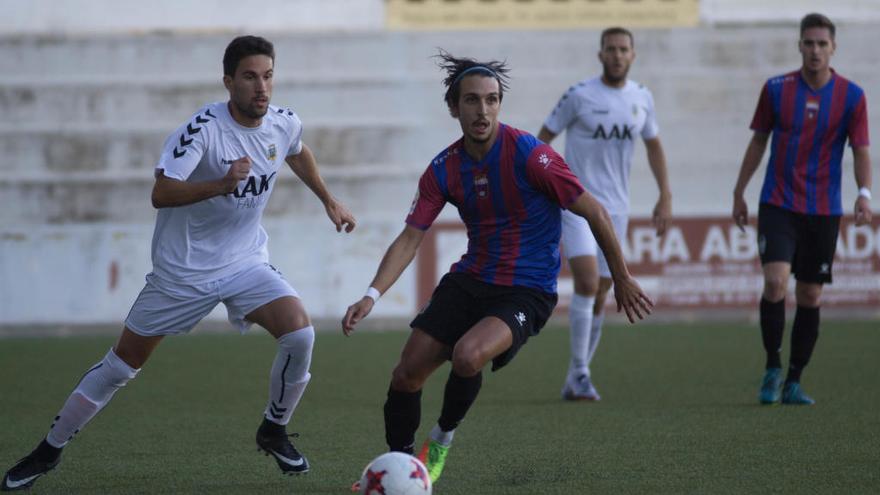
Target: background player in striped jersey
x=602 y=117
x=811 y=113
x=213 y=181
x=509 y=189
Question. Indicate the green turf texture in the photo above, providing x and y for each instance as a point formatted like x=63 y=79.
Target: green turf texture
x=679 y=415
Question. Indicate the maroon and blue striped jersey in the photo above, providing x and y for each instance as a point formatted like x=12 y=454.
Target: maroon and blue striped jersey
x=510 y=203
x=810 y=129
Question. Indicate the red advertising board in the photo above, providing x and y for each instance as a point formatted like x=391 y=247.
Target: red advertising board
x=701 y=262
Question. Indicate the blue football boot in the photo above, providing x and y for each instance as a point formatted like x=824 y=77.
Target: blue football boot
x=793 y=394
x=770 y=386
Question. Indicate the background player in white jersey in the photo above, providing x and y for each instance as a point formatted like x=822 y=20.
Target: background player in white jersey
x=602 y=117
x=213 y=181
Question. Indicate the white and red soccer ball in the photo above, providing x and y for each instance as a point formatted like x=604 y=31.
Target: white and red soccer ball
x=395 y=473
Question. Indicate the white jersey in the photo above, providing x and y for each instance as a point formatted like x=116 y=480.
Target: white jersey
x=216 y=237
x=601 y=123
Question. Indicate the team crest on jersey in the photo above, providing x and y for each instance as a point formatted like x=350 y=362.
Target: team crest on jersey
x=812 y=108
x=481 y=184
x=271 y=153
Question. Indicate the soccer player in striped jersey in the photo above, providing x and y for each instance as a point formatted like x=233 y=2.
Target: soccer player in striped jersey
x=509 y=189
x=213 y=181
x=811 y=114
x=602 y=117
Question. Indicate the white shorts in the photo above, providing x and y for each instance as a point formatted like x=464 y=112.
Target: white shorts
x=578 y=239
x=166 y=308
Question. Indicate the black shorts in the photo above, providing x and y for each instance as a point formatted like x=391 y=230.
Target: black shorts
x=807 y=242
x=460 y=301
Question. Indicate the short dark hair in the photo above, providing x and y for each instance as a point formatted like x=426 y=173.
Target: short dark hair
x=457 y=67
x=245 y=46
x=616 y=30
x=816 y=20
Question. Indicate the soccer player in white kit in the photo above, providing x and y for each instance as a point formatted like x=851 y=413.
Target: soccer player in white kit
x=601 y=118
x=213 y=180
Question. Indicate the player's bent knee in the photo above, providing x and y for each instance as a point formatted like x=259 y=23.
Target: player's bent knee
x=586 y=288
x=105 y=378
x=467 y=361
x=774 y=288
x=404 y=379
x=298 y=346
x=808 y=295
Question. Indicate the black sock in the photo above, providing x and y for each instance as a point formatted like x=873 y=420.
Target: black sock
x=46 y=452
x=460 y=394
x=268 y=428
x=403 y=411
x=772 y=328
x=804 y=334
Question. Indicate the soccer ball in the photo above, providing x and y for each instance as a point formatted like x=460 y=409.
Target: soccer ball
x=395 y=473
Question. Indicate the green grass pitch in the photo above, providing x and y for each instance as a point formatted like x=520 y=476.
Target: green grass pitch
x=679 y=415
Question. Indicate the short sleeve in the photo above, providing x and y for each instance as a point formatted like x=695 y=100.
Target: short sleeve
x=763 y=118
x=296 y=132
x=184 y=148
x=858 y=124
x=650 y=130
x=548 y=173
x=564 y=112
x=427 y=203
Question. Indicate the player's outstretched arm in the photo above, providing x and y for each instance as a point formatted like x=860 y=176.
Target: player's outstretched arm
x=629 y=295
x=862 y=167
x=168 y=192
x=751 y=160
x=306 y=168
x=657 y=161
x=398 y=256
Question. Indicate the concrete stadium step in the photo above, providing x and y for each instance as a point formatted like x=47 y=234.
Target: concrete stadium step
x=91 y=197
x=58 y=153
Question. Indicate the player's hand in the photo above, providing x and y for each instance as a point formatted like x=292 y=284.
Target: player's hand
x=631 y=298
x=340 y=216
x=356 y=312
x=662 y=214
x=238 y=171
x=740 y=212
x=863 y=211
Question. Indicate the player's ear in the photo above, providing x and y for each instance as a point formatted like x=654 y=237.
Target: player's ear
x=227 y=82
x=453 y=110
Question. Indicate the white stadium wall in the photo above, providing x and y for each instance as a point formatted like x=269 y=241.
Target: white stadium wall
x=86 y=99
x=83 y=17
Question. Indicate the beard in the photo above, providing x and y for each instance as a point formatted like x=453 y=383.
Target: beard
x=614 y=78
x=250 y=111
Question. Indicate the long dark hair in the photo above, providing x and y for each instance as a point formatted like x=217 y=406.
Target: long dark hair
x=456 y=68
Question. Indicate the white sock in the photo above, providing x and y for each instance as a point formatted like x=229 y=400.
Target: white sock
x=91 y=394
x=580 y=315
x=595 y=334
x=290 y=374
x=444 y=438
